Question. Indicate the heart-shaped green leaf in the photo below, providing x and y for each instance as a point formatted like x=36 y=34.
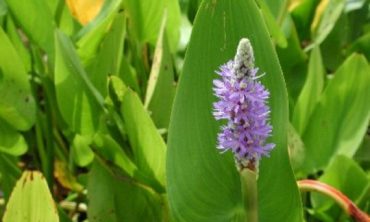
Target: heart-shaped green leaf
x=203 y=185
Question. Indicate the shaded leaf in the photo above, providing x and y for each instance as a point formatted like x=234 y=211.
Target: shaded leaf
x=113 y=198
x=311 y=91
x=77 y=98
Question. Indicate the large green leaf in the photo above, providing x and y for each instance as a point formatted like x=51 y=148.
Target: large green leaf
x=340 y=118
x=35 y=15
x=148 y=146
x=200 y=179
x=17 y=105
x=77 y=98
x=31 y=200
x=311 y=91
x=114 y=197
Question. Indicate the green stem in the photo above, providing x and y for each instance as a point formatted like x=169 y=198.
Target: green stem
x=249 y=191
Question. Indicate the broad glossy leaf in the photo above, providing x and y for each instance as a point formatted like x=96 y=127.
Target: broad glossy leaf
x=114 y=197
x=146 y=17
x=11 y=141
x=17 y=105
x=200 y=179
x=147 y=144
x=161 y=84
x=340 y=118
x=344 y=174
x=311 y=91
x=35 y=15
x=31 y=200
x=77 y=98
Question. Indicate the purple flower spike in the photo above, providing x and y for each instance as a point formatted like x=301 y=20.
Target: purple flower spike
x=243 y=103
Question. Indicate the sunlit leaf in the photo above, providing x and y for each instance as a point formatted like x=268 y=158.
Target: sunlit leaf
x=17 y=105
x=11 y=141
x=147 y=144
x=35 y=15
x=340 y=118
x=31 y=200
x=81 y=151
x=90 y=37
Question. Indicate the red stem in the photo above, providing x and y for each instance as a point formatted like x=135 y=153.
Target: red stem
x=348 y=206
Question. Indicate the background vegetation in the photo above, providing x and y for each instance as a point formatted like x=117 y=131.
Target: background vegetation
x=106 y=106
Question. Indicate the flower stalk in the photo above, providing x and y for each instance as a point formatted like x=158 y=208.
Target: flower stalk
x=248 y=179
x=342 y=200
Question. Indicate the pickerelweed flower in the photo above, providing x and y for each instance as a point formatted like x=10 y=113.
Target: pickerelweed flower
x=243 y=103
